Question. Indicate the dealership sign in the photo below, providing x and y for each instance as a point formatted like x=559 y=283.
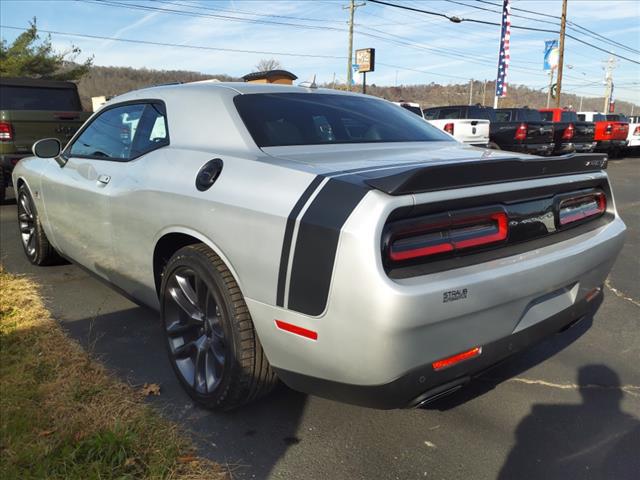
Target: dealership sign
x=366 y=60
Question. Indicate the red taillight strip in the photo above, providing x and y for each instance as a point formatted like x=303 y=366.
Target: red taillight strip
x=457 y=358
x=303 y=332
x=599 y=199
x=448 y=242
x=501 y=219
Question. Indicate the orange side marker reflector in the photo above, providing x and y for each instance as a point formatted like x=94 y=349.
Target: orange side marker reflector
x=592 y=294
x=303 y=332
x=457 y=358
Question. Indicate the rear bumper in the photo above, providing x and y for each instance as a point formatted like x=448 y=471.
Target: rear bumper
x=606 y=145
x=9 y=160
x=423 y=384
x=536 y=148
x=585 y=147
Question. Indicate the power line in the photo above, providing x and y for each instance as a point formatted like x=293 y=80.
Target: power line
x=177 y=45
x=572 y=25
x=485 y=22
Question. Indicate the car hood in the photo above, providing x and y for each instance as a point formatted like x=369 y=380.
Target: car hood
x=330 y=159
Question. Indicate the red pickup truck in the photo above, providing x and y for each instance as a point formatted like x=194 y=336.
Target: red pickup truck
x=570 y=133
x=610 y=135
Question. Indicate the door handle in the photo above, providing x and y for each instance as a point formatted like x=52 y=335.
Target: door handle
x=104 y=179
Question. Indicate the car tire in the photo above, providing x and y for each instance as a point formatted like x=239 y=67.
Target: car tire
x=212 y=343
x=34 y=241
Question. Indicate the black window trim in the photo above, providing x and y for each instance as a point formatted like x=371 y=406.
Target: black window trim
x=66 y=154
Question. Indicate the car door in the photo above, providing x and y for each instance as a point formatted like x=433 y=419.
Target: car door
x=80 y=211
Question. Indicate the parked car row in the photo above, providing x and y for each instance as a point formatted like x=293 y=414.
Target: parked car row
x=548 y=131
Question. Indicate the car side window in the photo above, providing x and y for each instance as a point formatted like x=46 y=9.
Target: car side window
x=503 y=116
x=123 y=133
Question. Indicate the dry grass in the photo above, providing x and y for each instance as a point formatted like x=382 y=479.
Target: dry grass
x=62 y=415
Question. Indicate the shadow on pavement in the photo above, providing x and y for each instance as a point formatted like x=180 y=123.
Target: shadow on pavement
x=591 y=440
x=249 y=441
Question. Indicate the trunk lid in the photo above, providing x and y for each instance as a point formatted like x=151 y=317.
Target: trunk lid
x=539 y=132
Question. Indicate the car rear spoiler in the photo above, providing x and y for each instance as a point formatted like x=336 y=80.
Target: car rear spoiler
x=429 y=178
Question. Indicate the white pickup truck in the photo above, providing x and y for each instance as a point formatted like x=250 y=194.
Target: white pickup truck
x=466 y=123
x=633 y=139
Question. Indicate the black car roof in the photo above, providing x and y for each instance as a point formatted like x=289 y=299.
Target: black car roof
x=35 y=82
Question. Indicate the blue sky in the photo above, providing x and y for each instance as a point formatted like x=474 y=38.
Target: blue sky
x=410 y=47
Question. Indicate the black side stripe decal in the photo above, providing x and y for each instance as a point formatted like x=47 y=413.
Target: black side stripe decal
x=288 y=237
x=317 y=243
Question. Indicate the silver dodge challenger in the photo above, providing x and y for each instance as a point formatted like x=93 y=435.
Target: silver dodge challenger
x=330 y=240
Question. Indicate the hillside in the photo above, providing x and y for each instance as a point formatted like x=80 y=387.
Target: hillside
x=110 y=81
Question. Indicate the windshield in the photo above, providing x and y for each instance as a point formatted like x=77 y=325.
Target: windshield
x=38 y=98
x=279 y=119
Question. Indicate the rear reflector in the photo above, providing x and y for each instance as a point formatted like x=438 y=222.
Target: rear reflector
x=303 y=332
x=455 y=359
x=459 y=232
x=593 y=293
x=583 y=207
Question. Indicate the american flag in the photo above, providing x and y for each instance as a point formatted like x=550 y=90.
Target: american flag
x=503 y=59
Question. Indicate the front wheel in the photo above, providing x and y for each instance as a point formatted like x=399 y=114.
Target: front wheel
x=212 y=344
x=34 y=241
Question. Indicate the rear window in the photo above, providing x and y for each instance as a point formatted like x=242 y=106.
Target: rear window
x=280 y=119
x=14 y=97
x=450 y=114
x=481 y=113
x=503 y=116
x=547 y=116
x=528 y=115
x=598 y=117
x=569 y=117
x=617 y=118
x=412 y=109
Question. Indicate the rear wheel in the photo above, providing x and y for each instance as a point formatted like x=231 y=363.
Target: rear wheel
x=212 y=344
x=34 y=241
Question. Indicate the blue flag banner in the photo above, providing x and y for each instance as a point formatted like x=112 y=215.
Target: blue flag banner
x=549 y=47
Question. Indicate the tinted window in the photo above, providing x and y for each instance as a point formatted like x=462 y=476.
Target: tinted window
x=430 y=114
x=503 y=115
x=617 y=118
x=412 y=109
x=450 y=114
x=547 y=116
x=38 y=98
x=598 y=117
x=123 y=133
x=581 y=117
x=481 y=113
x=278 y=119
x=528 y=115
x=569 y=117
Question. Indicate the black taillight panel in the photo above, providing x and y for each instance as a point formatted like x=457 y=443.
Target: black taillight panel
x=458 y=236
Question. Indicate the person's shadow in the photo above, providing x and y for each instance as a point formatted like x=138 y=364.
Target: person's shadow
x=592 y=440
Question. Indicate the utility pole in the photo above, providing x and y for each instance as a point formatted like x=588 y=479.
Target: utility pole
x=550 y=87
x=581 y=98
x=471 y=92
x=352 y=9
x=484 y=91
x=563 y=25
x=608 y=81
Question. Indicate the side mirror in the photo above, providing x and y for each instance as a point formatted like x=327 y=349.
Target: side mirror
x=47 y=148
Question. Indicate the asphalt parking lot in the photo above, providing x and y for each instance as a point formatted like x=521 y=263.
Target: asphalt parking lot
x=567 y=409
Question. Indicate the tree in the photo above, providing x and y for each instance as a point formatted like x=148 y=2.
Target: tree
x=267 y=64
x=31 y=56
